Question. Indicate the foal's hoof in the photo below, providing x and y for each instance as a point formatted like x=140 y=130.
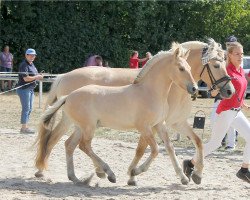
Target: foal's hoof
x=184 y=181
x=39 y=174
x=100 y=174
x=132 y=183
x=112 y=179
x=196 y=178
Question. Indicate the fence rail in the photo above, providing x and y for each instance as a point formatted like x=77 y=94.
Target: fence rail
x=48 y=78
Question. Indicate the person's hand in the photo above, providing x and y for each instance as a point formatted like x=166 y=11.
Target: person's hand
x=214 y=93
x=39 y=77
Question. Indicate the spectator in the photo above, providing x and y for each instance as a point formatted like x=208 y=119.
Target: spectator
x=28 y=76
x=229 y=114
x=6 y=63
x=105 y=63
x=94 y=60
x=148 y=56
x=134 y=60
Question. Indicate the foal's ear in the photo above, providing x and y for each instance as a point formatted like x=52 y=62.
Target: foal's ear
x=177 y=52
x=186 y=54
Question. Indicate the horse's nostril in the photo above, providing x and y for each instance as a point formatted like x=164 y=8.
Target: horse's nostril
x=194 y=89
x=229 y=92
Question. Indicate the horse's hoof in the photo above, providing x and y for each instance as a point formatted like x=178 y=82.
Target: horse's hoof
x=132 y=183
x=101 y=174
x=196 y=178
x=184 y=181
x=39 y=174
x=112 y=179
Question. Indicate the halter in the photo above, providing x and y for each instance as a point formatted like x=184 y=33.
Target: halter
x=205 y=59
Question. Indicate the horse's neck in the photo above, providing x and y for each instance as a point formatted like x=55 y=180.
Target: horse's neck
x=194 y=60
x=158 y=80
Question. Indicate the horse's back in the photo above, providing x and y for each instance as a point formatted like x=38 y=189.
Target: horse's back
x=95 y=75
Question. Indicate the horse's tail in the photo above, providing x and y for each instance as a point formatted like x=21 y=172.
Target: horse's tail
x=45 y=133
x=52 y=96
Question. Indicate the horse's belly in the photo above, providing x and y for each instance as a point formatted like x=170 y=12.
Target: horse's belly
x=116 y=124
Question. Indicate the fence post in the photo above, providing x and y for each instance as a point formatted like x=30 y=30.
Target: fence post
x=40 y=93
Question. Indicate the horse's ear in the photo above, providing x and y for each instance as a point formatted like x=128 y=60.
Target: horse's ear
x=212 y=42
x=186 y=54
x=177 y=52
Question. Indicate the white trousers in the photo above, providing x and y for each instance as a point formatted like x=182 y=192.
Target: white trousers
x=231 y=133
x=231 y=137
x=222 y=123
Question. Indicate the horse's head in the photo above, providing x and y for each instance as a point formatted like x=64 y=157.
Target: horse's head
x=214 y=69
x=183 y=76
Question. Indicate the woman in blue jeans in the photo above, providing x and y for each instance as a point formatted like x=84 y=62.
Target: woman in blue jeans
x=28 y=76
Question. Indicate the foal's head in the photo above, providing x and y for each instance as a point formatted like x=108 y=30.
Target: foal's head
x=182 y=71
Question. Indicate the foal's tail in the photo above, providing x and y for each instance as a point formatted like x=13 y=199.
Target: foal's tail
x=45 y=133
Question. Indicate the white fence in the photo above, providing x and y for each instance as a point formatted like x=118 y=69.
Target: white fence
x=49 y=78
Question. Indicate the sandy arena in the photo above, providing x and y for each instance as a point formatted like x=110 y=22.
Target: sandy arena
x=17 y=180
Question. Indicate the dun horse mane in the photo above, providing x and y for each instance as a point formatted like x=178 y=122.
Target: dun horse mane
x=214 y=49
x=193 y=45
x=150 y=63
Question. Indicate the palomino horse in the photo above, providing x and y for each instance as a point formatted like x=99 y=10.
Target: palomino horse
x=95 y=106
x=64 y=84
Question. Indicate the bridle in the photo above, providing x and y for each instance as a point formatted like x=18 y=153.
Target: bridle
x=205 y=59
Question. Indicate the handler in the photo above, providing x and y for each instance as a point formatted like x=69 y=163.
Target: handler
x=28 y=76
x=229 y=114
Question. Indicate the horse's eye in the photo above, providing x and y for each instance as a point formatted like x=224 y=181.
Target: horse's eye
x=217 y=66
x=182 y=69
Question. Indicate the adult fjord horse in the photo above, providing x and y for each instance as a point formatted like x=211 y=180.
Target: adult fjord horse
x=95 y=106
x=210 y=72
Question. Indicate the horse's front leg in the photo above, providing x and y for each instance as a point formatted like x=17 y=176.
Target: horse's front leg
x=196 y=173
x=140 y=150
x=148 y=136
x=163 y=134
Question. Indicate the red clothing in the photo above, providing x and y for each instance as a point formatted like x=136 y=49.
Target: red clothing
x=240 y=84
x=144 y=62
x=134 y=63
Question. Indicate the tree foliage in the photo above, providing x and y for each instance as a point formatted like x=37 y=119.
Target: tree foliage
x=65 y=33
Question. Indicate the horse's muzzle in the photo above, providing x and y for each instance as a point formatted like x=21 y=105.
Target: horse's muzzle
x=193 y=89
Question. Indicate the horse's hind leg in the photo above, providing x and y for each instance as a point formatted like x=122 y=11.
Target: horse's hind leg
x=148 y=136
x=55 y=135
x=163 y=134
x=70 y=145
x=187 y=130
x=101 y=166
x=142 y=145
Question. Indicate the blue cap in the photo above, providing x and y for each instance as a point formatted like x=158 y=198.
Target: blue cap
x=231 y=38
x=31 y=52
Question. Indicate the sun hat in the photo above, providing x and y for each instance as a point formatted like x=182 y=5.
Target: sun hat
x=31 y=52
x=231 y=38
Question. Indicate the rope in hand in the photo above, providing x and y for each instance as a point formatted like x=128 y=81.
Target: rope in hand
x=15 y=88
